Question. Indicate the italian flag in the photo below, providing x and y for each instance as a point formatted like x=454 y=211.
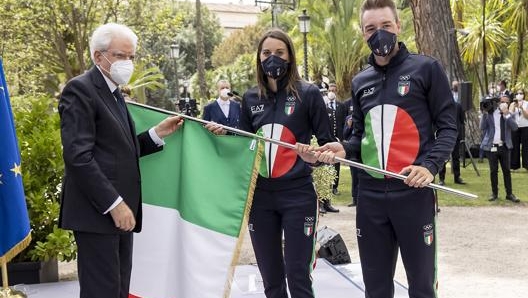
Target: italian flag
x=197 y=194
x=391 y=139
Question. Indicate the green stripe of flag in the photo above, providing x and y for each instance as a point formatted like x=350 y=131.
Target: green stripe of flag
x=207 y=178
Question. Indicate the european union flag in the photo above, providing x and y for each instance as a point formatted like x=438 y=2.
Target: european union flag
x=14 y=220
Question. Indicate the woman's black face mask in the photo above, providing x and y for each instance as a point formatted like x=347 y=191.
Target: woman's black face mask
x=274 y=66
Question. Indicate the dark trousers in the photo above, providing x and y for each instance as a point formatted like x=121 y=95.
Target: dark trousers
x=403 y=219
x=294 y=212
x=455 y=163
x=337 y=167
x=355 y=183
x=502 y=156
x=104 y=264
x=524 y=146
x=515 y=156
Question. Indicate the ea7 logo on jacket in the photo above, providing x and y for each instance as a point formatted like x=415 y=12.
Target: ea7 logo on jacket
x=257 y=109
x=368 y=91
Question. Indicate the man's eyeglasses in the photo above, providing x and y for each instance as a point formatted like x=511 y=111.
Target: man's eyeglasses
x=519 y=93
x=119 y=55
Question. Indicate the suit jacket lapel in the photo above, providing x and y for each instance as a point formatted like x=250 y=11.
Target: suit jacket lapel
x=219 y=109
x=232 y=110
x=111 y=103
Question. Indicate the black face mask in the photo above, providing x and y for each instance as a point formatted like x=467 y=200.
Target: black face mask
x=382 y=42
x=274 y=66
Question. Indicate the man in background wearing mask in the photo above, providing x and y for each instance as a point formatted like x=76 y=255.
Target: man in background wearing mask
x=393 y=123
x=519 y=111
x=223 y=110
x=497 y=126
x=455 y=155
x=336 y=113
x=101 y=192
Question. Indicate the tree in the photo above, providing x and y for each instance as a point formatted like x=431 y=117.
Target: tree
x=515 y=20
x=435 y=28
x=486 y=38
x=335 y=36
x=200 y=55
x=242 y=41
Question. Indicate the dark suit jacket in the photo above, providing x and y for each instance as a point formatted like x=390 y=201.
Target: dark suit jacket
x=101 y=156
x=337 y=119
x=461 y=120
x=213 y=112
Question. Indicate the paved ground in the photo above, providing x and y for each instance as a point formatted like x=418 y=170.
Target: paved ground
x=483 y=251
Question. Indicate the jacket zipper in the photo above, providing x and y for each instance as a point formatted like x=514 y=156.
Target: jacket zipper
x=383 y=122
x=272 y=132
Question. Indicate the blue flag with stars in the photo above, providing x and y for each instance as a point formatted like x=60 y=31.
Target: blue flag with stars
x=14 y=220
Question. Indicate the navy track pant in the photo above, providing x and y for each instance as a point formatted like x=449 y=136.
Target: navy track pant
x=293 y=211
x=403 y=219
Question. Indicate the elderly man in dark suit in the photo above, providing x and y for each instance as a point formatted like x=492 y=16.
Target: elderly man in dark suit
x=497 y=125
x=223 y=110
x=101 y=193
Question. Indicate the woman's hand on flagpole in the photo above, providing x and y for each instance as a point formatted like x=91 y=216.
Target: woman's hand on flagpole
x=329 y=151
x=215 y=128
x=306 y=152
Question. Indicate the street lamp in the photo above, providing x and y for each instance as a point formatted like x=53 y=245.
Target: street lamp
x=304 y=27
x=174 y=55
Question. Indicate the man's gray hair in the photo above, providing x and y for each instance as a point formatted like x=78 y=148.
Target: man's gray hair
x=104 y=34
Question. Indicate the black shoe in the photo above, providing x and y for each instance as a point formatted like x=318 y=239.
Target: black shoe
x=353 y=204
x=513 y=198
x=322 y=209
x=493 y=197
x=441 y=182
x=335 y=191
x=328 y=207
x=459 y=181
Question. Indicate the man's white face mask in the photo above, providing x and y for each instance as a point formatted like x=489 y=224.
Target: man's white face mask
x=331 y=95
x=121 y=71
x=224 y=93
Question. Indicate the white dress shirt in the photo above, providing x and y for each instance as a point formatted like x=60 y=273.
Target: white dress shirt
x=224 y=105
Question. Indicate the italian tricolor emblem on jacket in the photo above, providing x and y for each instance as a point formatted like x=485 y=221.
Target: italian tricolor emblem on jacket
x=278 y=160
x=289 y=108
x=391 y=139
x=404 y=87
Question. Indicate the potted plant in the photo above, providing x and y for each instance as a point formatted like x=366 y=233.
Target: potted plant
x=37 y=126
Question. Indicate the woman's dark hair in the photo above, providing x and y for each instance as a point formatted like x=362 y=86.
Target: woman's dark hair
x=292 y=74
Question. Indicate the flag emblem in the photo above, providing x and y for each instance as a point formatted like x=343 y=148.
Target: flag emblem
x=277 y=160
x=428 y=237
x=308 y=228
x=404 y=87
x=391 y=139
x=289 y=108
x=428 y=234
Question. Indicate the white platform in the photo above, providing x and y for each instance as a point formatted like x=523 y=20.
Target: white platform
x=341 y=281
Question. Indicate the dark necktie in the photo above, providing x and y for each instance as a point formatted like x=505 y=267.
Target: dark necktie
x=121 y=105
x=332 y=105
x=502 y=128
